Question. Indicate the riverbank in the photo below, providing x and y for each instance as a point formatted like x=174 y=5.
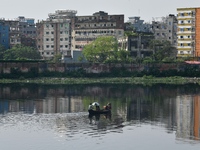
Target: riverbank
x=122 y=80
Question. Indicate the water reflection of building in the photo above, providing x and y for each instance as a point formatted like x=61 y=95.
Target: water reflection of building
x=62 y=104
x=184 y=117
x=51 y=104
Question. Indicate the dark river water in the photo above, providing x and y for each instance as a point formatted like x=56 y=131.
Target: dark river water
x=50 y=117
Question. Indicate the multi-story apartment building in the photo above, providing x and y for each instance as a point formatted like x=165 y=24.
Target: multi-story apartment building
x=139 y=25
x=138 y=45
x=54 y=34
x=27 y=29
x=86 y=29
x=27 y=26
x=14 y=32
x=4 y=34
x=188 y=32
x=166 y=29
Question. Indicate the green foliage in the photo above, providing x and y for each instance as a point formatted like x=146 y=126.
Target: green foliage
x=147 y=60
x=123 y=55
x=20 y=52
x=100 y=50
x=130 y=33
x=57 y=58
x=162 y=50
x=2 y=51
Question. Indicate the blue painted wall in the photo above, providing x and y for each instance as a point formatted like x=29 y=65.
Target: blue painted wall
x=4 y=35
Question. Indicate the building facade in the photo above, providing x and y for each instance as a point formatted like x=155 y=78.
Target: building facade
x=86 y=29
x=138 y=45
x=4 y=34
x=139 y=25
x=188 y=32
x=14 y=32
x=166 y=29
x=54 y=34
x=27 y=29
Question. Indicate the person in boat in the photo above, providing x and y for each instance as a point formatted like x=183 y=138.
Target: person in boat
x=97 y=105
x=90 y=107
x=108 y=106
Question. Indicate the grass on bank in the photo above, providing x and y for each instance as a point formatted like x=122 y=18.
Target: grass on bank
x=118 y=80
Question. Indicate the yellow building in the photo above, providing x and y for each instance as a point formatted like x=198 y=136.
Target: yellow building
x=188 y=37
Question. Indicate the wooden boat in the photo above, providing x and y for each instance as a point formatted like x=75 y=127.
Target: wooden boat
x=102 y=111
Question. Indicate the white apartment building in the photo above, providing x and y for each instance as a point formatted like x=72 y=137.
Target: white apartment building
x=54 y=34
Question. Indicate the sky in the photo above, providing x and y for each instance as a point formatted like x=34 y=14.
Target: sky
x=146 y=9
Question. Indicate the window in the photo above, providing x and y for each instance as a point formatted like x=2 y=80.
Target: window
x=189 y=29
x=188 y=37
x=181 y=52
x=47 y=32
x=169 y=31
x=182 y=44
x=52 y=25
x=169 y=38
x=66 y=46
x=61 y=46
x=47 y=46
x=61 y=32
x=181 y=37
x=52 y=39
x=52 y=32
x=47 y=25
x=61 y=39
x=188 y=44
x=47 y=39
x=189 y=21
x=52 y=46
x=66 y=39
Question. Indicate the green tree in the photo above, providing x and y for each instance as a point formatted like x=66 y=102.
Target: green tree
x=20 y=52
x=101 y=50
x=162 y=50
x=2 y=51
x=123 y=56
x=57 y=58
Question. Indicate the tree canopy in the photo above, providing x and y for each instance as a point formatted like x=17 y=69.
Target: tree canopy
x=2 y=50
x=102 y=49
x=20 y=52
x=163 y=50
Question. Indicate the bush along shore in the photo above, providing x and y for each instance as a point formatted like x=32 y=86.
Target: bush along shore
x=146 y=80
x=121 y=75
